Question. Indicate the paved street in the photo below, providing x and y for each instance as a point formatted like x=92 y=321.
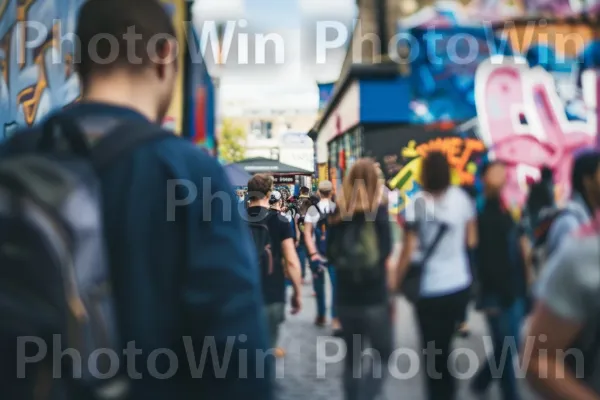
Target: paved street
x=299 y=379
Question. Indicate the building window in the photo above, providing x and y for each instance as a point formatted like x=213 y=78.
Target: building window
x=268 y=129
x=261 y=129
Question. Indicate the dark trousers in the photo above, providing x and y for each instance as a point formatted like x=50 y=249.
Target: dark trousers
x=366 y=327
x=438 y=319
x=504 y=329
x=275 y=317
x=303 y=257
x=319 y=278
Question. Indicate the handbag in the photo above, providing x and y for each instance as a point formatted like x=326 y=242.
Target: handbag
x=411 y=285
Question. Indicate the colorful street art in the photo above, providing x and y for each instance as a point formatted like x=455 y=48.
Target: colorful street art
x=522 y=87
x=400 y=154
x=442 y=88
x=37 y=73
x=442 y=75
x=37 y=64
x=461 y=153
x=174 y=118
x=523 y=122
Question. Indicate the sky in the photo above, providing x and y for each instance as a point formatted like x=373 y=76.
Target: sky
x=292 y=82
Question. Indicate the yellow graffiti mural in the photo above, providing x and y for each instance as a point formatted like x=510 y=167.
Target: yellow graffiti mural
x=32 y=84
x=459 y=152
x=30 y=97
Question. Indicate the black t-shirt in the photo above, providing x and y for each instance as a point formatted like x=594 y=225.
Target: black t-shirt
x=348 y=293
x=273 y=286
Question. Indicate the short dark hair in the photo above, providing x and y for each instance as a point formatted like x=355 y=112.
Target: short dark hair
x=435 y=172
x=585 y=165
x=113 y=18
x=304 y=190
x=259 y=186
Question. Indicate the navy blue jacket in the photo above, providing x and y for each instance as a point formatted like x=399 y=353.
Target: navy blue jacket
x=195 y=277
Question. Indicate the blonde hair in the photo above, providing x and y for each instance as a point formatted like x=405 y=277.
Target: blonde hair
x=362 y=189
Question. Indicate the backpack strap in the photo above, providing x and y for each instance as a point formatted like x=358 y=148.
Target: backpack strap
x=123 y=139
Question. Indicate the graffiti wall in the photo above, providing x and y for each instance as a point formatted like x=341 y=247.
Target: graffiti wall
x=524 y=123
x=443 y=73
x=523 y=88
x=536 y=109
x=37 y=62
x=37 y=73
x=400 y=158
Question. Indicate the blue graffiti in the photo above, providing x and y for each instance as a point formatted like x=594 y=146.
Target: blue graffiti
x=444 y=90
x=36 y=60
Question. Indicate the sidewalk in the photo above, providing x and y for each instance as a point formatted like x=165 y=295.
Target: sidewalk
x=299 y=368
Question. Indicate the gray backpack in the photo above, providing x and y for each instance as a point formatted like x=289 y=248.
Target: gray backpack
x=55 y=282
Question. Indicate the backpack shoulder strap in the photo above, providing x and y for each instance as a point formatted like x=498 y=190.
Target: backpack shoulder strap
x=123 y=139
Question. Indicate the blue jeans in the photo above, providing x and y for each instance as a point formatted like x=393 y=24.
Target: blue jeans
x=303 y=256
x=504 y=328
x=318 y=272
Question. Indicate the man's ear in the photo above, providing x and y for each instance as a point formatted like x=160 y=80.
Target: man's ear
x=166 y=52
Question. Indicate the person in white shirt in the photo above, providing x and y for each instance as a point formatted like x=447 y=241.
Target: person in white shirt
x=315 y=237
x=445 y=276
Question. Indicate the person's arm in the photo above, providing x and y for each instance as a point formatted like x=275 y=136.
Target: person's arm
x=298 y=234
x=409 y=242
x=222 y=298
x=472 y=235
x=527 y=255
x=566 y=296
x=545 y=371
x=294 y=273
x=384 y=233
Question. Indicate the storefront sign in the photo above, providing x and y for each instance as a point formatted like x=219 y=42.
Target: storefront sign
x=288 y=180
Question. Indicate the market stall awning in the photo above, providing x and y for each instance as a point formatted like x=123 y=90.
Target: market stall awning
x=237 y=175
x=264 y=165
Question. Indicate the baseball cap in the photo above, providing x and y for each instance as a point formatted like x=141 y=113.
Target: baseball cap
x=325 y=186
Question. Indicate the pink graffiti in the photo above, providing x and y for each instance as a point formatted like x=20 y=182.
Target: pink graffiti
x=523 y=123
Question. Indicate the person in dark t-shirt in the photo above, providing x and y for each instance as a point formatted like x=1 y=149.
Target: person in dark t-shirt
x=284 y=256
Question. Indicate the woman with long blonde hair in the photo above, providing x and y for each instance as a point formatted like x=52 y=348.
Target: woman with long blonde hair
x=359 y=246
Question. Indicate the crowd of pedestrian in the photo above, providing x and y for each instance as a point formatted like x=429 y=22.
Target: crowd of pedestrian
x=115 y=233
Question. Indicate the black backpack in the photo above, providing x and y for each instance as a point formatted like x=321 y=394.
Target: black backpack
x=55 y=282
x=262 y=242
x=322 y=228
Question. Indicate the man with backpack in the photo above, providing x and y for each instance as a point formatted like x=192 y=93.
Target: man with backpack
x=315 y=237
x=118 y=236
x=578 y=210
x=276 y=249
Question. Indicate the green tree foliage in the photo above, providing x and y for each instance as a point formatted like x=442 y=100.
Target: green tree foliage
x=232 y=142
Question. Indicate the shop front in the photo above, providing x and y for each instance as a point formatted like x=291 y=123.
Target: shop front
x=339 y=134
x=344 y=150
